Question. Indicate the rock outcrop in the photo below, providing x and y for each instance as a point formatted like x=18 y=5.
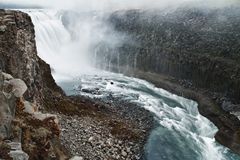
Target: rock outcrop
x=24 y=131
x=22 y=127
x=197 y=48
x=18 y=56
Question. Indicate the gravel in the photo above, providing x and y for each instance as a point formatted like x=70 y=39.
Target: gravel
x=93 y=138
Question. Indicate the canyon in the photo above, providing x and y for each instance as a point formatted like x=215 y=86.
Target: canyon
x=191 y=52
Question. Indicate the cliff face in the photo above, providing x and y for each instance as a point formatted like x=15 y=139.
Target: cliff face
x=200 y=46
x=22 y=127
x=18 y=55
x=190 y=52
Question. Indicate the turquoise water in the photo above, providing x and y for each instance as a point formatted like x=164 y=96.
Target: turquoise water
x=182 y=133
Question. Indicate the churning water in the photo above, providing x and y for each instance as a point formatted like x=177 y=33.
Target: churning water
x=182 y=133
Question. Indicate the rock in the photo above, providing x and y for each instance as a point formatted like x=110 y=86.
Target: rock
x=7 y=76
x=90 y=139
x=109 y=142
x=41 y=116
x=19 y=155
x=1 y=81
x=15 y=145
x=18 y=87
x=3 y=28
x=228 y=106
x=28 y=107
x=18 y=57
x=124 y=154
x=6 y=116
x=77 y=158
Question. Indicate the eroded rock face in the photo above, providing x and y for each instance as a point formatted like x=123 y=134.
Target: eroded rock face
x=29 y=133
x=7 y=108
x=18 y=56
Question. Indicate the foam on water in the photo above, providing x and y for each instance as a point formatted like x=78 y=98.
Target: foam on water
x=183 y=131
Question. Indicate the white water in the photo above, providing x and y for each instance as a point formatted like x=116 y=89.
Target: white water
x=67 y=56
x=182 y=133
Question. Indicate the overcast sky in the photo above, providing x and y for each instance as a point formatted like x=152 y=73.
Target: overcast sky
x=114 y=4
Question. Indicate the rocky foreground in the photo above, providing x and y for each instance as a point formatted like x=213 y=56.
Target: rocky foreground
x=77 y=127
x=82 y=130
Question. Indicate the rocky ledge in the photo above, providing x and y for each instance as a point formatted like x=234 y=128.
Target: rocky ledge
x=79 y=127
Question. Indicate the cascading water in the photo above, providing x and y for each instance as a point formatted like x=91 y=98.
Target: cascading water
x=58 y=47
x=182 y=133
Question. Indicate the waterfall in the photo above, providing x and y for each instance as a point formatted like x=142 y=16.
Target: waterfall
x=67 y=50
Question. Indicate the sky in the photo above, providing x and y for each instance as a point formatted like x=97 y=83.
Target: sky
x=115 y=4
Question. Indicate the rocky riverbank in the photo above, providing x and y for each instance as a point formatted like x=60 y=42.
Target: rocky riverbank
x=80 y=127
x=93 y=129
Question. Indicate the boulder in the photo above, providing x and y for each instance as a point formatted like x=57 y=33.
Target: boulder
x=19 y=155
x=7 y=76
x=3 y=28
x=28 y=107
x=18 y=87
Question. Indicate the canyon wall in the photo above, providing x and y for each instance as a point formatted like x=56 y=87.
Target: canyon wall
x=198 y=47
x=192 y=52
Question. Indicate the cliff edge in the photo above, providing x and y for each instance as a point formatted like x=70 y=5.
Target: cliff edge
x=18 y=56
